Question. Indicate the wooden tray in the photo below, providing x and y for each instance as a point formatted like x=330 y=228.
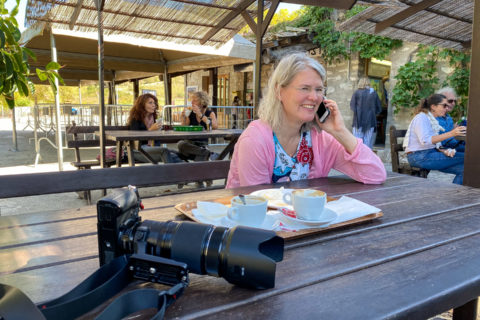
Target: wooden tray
x=186 y=209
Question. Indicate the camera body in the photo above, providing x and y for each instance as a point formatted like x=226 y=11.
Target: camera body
x=241 y=255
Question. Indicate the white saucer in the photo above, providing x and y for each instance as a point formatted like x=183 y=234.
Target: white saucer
x=274 y=197
x=267 y=224
x=327 y=217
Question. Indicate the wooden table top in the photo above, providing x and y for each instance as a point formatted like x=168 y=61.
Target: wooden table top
x=169 y=135
x=420 y=259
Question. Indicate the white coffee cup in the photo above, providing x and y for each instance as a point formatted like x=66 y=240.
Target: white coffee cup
x=252 y=213
x=188 y=110
x=309 y=204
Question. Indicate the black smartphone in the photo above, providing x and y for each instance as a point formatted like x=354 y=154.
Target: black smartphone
x=323 y=112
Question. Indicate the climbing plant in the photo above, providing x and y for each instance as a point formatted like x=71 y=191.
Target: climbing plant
x=336 y=45
x=419 y=78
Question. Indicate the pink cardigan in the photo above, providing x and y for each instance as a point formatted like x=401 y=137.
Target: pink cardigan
x=254 y=157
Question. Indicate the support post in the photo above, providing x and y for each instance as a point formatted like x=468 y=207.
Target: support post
x=101 y=96
x=258 y=58
x=58 y=135
x=471 y=175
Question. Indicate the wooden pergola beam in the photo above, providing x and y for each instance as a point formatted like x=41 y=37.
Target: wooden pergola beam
x=423 y=33
x=402 y=15
x=76 y=12
x=127 y=14
x=87 y=25
x=229 y=17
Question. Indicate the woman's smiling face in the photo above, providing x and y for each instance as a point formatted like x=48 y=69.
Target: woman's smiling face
x=302 y=96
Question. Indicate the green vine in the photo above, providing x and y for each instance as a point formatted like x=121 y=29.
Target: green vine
x=334 y=44
x=419 y=79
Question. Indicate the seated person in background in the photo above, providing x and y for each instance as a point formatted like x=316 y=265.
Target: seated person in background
x=288 y=142
x=143 y=116
x=201 y=115
x=447 y=122
x=424 y=136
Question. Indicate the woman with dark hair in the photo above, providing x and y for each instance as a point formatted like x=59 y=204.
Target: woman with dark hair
x=143 y=116
x=423 y=139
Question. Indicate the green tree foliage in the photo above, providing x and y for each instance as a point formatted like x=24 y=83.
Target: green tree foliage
x=14 y=67
x=418 y=79
x=335 y=45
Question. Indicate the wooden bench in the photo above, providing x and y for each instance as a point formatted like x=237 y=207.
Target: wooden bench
x=395 y=148
x=78 y=144
x=21 y=185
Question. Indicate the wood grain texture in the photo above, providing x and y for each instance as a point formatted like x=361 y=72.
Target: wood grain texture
x=420 y=259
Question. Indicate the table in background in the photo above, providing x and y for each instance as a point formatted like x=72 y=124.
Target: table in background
x=418 y=260
x=128 y=138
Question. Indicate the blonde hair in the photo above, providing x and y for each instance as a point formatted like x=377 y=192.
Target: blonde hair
x=363 y=83
x=202 y=97
x=270 y=109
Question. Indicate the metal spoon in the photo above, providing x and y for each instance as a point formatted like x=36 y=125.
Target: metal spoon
x=242 y=198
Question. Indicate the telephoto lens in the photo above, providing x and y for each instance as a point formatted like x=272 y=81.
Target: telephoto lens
x=241 y=255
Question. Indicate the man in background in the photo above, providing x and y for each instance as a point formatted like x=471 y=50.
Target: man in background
x=447 y=122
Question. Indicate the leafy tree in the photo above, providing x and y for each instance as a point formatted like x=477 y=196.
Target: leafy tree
x=14 y=66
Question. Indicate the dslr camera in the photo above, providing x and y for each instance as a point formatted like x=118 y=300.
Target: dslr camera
x=165 y=252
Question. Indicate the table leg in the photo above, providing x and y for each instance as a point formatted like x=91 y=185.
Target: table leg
x=118 y=156
x=131 y=160
x=467 y=311
x=228 y=149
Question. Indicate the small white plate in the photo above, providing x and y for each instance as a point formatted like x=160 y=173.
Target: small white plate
x=267 y=224
x=327 y=217
x=274 y=197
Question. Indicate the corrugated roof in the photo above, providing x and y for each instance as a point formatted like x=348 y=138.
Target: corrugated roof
x=447 y=23
x=177 y=21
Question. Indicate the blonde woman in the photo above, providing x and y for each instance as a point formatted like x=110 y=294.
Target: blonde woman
x=288 y=142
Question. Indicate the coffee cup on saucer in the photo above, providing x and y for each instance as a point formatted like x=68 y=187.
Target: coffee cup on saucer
x=309 y=204
x=250 y=213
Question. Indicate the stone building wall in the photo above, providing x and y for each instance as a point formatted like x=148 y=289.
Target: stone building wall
x=342 y=80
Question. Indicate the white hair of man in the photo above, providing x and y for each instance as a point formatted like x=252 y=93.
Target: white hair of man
x=271 y=109
x=446 y=90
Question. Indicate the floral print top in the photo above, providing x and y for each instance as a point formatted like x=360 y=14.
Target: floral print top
x=288 y=168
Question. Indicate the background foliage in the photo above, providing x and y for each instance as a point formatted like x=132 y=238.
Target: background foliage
x=14 y=66
x=418 y=79
x=336 y=45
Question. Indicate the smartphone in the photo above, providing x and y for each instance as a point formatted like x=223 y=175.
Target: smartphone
x=323 y=112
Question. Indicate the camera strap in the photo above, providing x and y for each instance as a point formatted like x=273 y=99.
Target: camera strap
x=103 y=284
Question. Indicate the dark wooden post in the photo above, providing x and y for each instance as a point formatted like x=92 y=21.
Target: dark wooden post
x=257 y=74
x=101 y=96
x=471 y=175
x=213 y=77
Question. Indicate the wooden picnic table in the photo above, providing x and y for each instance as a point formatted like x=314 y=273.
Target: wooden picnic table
x=418 y=260
x=129 y=137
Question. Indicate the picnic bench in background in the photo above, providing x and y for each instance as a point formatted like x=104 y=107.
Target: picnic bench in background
x=84 y=137
x=395 y=148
